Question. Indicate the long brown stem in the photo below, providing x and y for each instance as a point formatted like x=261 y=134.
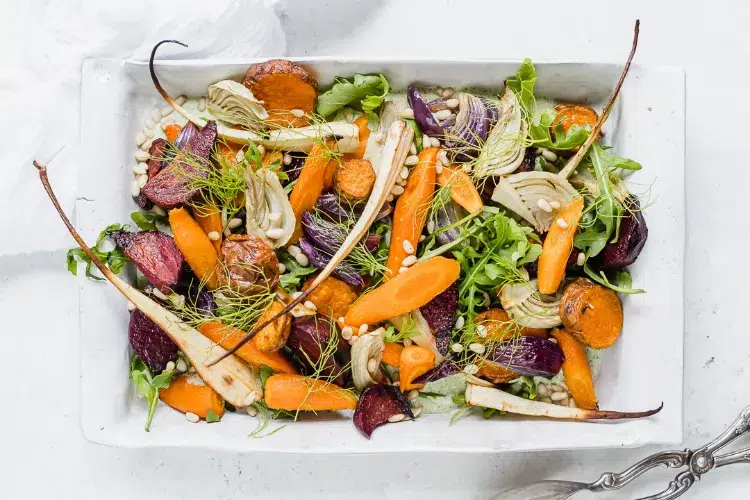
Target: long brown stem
x=594 y=135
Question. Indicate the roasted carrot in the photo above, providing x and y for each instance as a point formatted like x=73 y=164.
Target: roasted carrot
x=414 y=361
x=392 y=354
x=332 y=297
x=271 y=158
x=309 y=184
x=405 y=292
x=195 y=246
x=354 y=180
x=364 y=135
x=462 y=188
x=283 y=86
x=498 y=326
x=411 y=210
x=557 y=246
x=227 y=336
x=190 y=394
x=296 y=392
x=171 y=131
x=574 y=114
x=576 y=370
x=591 y=313
x=209 y=219
x=331 y=168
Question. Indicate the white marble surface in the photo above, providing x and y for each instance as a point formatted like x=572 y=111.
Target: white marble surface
x=43 y=453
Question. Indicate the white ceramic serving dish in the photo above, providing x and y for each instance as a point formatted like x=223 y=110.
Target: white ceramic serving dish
x=643 y=370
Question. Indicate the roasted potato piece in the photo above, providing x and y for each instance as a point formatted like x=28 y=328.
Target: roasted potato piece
x=500 y=327
x=273 y=337
x=354 y=180
x=495 y=373
x=332 y=297
x=574 y=114
x=283 y=86
x=592 y=313
x=251 y=265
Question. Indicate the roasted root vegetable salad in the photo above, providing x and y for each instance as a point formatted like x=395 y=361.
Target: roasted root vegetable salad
x=306 y=246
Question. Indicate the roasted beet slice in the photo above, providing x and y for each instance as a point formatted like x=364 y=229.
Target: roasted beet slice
x=150 y=342
x=170 y=187
x=445 y=369
x=376 y=405
x=155 y=164
x=440 y=314
x=143 y=202
x=527 y=165
x=311 y=344
x=154 y=254
x=633 y=234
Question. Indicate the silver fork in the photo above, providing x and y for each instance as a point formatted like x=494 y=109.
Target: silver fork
x=699 y=462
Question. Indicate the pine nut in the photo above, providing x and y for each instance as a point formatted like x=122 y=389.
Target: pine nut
x=544 y=205
x=457 y=347
x=166 y=111
x=192 y=417
x=261 y=149
x=287 y=159
x=302 y=259
x=140 y=138
x=408 y=247
x=408 y=113
x=155 y=116
x=170 y=366
x=404 y=173
x=407 y=343
x=297 y=113
x=452 y=103
x=416 y=411
x=239 y=156
x=553 y=340
x=251 y=410
x=275 y=233
x=387 y=238
x=142 y=180
x=135 y=189
x=561 y=223
x=411 y=160
x=555 y=388
x=397 y=190
x=181 y=100
x=310 y=305
x=372 y=365
x=398 y=417
x=482 y=331
x=282 y=268
x=346 y=333
x=581 y=259
x=234 y=223
x=181 y=366
x=555 y=205
x=251 y=398
x=477 y=348
x=460 y=322
x=202 y=104
x=389 y=198
x=412 y=395
x=572 y=403
x=159 y=211
x=142 y=155
x=545 y=400
x=214 y=236
x=542 y=390
x=140 y=168
x=402 y=269
x=293 y=250
x=131 y=306
x=363 y=328
x=448 y=93
x=443 y=157
x=409 y=260
x=471 y=369
x=146 y=145
x=148 y=124
x=380 y=138
x=412 y=149
x=274 y=216
x=148 y=132
x=565 y=402
x=549 y=155
x=442 y=114
x=558 y=396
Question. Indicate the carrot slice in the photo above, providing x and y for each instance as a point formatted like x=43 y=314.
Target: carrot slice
x=462 y=187
x=576 y=370
x=414 y=361
x=209 y=219
x=405 y=292
x=392 y=353
x=172 y=131
x=190 y=394
x=227 y=336
x=557 y=246
x=195 y=246
x=309 y=184
x=283 y=86
x=410 y=214
x=296 y=392
x=331 y=168
x=364 y=135
x=272 y=157
x=574 y=114
x=591 y=313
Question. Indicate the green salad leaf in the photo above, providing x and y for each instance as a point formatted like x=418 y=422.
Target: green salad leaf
x=148 y=386
x=523 y=86
x=623 y=282
x=114 y=259
x=146 y=221
x=295 y=273
x=212 y=417
x=365 y=92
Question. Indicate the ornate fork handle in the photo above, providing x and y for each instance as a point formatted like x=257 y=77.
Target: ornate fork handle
x=704 y=459
x=610 y=481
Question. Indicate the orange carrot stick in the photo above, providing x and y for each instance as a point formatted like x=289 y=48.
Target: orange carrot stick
x=410 y=214
x=309 y=184
x=195 y=246
x=209 y=219
x=462 y=188
x=171 y=131
x=296 y=392
x=364 y=135
x=557 y=246
x=405 y=292
x=576 y=370
x=414 y=361
x=227 y=336
x=190 y=394
x=392 y=354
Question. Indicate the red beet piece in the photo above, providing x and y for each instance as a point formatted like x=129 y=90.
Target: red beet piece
x=155 y=254
x=155 y=164
x=169 y=188
x=440 y=314
x=376 y=405
x=633 y=235
x=150 y=342
x=310 y=342
x=445 y=369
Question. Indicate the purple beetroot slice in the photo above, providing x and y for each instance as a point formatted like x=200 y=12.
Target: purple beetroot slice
x=150 y=342
x=155 y=164
x=440 y=314
x=155 y=254
x=309 y=341
x=632 y=238
x=376 y=405
x=445 y=369
x=169 y=188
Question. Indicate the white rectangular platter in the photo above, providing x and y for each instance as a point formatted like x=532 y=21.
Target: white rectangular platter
x=643 y=370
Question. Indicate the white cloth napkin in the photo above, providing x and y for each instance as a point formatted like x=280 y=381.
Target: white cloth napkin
x=43 y=43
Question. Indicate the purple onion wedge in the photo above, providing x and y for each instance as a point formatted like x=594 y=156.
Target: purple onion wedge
x=532 y=356
x=377 y=404
x=440 y=314
x=445 y=369
x=310 y=342
x=330 y=204
x=344 y=271
x=422 y=114
x=471 y=128
x=155 y=254
x=632 y=238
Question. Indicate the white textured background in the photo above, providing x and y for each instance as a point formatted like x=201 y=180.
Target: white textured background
x=42 y=452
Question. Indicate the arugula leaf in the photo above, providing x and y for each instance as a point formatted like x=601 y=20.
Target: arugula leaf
x=265 y=372
x=295 y=273
x=148 y=386
x=459 y=399
x=540 y=132
x=431 y=395
x=624 y=285
x=529 y=391
x=523 y=86
x=408 y=330
x=365 y=92
x=146 y=221
x=212 y=417
x=115 y=259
